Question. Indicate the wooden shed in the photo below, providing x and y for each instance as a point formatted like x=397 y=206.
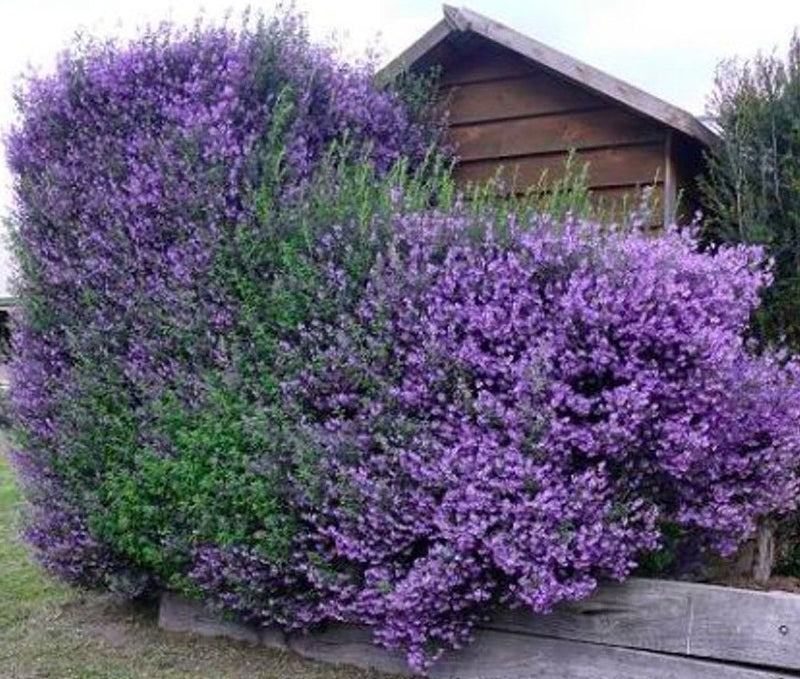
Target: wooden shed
x=518 y=107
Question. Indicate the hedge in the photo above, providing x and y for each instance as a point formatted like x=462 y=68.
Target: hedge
x=268 y=357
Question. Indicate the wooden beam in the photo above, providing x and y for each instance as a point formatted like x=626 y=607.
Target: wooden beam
x=670 y=183
x=578 y=130
x=704 y=621
x=500 y=655
x=181 y=615
x=653 y=629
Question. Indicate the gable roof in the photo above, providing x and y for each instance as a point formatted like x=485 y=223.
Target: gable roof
x=459 y=23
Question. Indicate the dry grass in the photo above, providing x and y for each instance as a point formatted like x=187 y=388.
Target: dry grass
x=48 y=630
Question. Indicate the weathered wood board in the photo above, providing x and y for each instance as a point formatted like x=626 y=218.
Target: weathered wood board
x=616 y=166
x=704 y=621
x=553 y=133
x=755 y=627
x=349 y=645
x=642 y=629
x=499 y=655
x=178 y=614
x=634 y=615
x=535 y=94
x=484 y=63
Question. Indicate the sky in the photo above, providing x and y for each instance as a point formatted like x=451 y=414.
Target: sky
x=668 y=49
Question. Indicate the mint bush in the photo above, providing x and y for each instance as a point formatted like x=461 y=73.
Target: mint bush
x=267 y=356
x=150 y=178
x=511 y=416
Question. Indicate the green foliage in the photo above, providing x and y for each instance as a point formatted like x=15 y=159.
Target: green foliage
x=163 y=504
x=417 y=91
x=663 y=560
x=210 y=456
x=752 y=191
x=213 y=469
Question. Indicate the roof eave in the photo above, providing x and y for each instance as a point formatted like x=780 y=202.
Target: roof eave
x=415 y=52
x=458 y=20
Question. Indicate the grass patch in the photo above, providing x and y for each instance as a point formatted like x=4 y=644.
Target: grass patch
x=24 y=589
x=48 y=630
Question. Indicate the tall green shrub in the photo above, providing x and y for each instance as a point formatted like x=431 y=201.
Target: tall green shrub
x=752 y=189
x=163 y=258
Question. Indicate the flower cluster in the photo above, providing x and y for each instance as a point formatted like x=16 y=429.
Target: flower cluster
x=510 y=418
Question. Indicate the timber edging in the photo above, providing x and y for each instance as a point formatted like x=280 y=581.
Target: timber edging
x=653 y=629
x=178 y=614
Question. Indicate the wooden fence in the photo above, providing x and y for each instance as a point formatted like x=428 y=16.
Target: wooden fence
x=642 y=629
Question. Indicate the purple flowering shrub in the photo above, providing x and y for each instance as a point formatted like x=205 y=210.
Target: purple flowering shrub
x=153 y=182
x=510 y=417
x=267 y=358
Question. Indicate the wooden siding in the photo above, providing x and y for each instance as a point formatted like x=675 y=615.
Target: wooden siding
x=477 y=61
x=518 y=96
x=513 y=120
x=608 y=167
x=531 y=136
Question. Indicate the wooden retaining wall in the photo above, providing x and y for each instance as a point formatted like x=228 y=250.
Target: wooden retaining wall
x=642 y=629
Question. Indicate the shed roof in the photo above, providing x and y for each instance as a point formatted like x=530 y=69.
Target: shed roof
x=460 y=24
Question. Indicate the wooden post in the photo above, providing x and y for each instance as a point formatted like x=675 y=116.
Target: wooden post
x=670 y=184
x=764 y=557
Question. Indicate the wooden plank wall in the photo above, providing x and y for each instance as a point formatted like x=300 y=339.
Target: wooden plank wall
x=509 y=116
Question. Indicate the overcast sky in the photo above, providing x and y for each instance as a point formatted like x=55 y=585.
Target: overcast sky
x=670 y=49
